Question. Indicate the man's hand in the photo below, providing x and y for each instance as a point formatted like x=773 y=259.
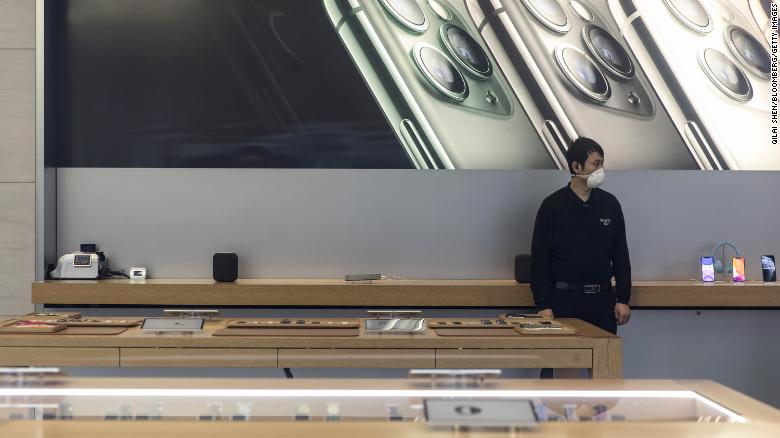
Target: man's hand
x=546 y=313
x=622 y=313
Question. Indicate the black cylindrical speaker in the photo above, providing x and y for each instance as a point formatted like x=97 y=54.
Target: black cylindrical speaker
x=225 y=267
x=523 y=268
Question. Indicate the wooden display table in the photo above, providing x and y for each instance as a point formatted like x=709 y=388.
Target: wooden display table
x=762 y=421
x=383 y=293
x=591 y=348
x=192 y=429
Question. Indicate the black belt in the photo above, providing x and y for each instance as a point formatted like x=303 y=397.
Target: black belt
x=593 y=288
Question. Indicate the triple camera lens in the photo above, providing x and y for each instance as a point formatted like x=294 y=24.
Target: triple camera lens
x=726 y=75
x=440 y=72
x=466 y=50
x=409 y=13
x=608 y=51
x=582 y=72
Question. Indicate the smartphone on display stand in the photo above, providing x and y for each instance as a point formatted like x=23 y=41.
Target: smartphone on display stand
x=707 y=269
x=768 y=268
x=738 y=269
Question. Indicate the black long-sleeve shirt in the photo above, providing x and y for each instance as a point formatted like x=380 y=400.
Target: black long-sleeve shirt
x=579 y=242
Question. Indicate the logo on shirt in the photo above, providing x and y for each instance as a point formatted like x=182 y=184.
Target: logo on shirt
x=606 y=221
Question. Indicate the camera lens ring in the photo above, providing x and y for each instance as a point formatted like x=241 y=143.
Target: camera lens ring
x=580 y=9
x=403 y=19
x=542 y=18
x=710 y=72
x=560 y=58
x=419 y=60
x=729 y=36
x=680 y=15
x=586 y=37
x=440 y=9
x=445 y=39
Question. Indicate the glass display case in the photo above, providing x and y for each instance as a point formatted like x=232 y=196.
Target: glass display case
x=54 y=397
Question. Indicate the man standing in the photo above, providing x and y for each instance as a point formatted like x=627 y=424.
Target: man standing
x=579 y=244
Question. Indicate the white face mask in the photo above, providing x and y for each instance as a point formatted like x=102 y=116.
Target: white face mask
x=595 y=179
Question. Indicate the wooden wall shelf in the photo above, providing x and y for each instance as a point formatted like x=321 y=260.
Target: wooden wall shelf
x=384 y=293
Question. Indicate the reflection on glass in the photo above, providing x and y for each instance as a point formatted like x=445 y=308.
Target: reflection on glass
x=441 y=72
x=726 y=75
x=231 y=400
x=466 y=50
x=609 y=51
x=749 y=51
x=582 y=72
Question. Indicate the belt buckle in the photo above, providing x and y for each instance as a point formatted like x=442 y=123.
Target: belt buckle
x=592 y=288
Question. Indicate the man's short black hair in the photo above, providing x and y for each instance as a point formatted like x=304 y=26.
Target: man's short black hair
x=579 y=151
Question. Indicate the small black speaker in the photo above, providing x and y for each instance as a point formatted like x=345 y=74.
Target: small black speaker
x=523 y=268
x=225 y=267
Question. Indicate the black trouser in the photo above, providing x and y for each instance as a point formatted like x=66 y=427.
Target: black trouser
x=595 y=308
